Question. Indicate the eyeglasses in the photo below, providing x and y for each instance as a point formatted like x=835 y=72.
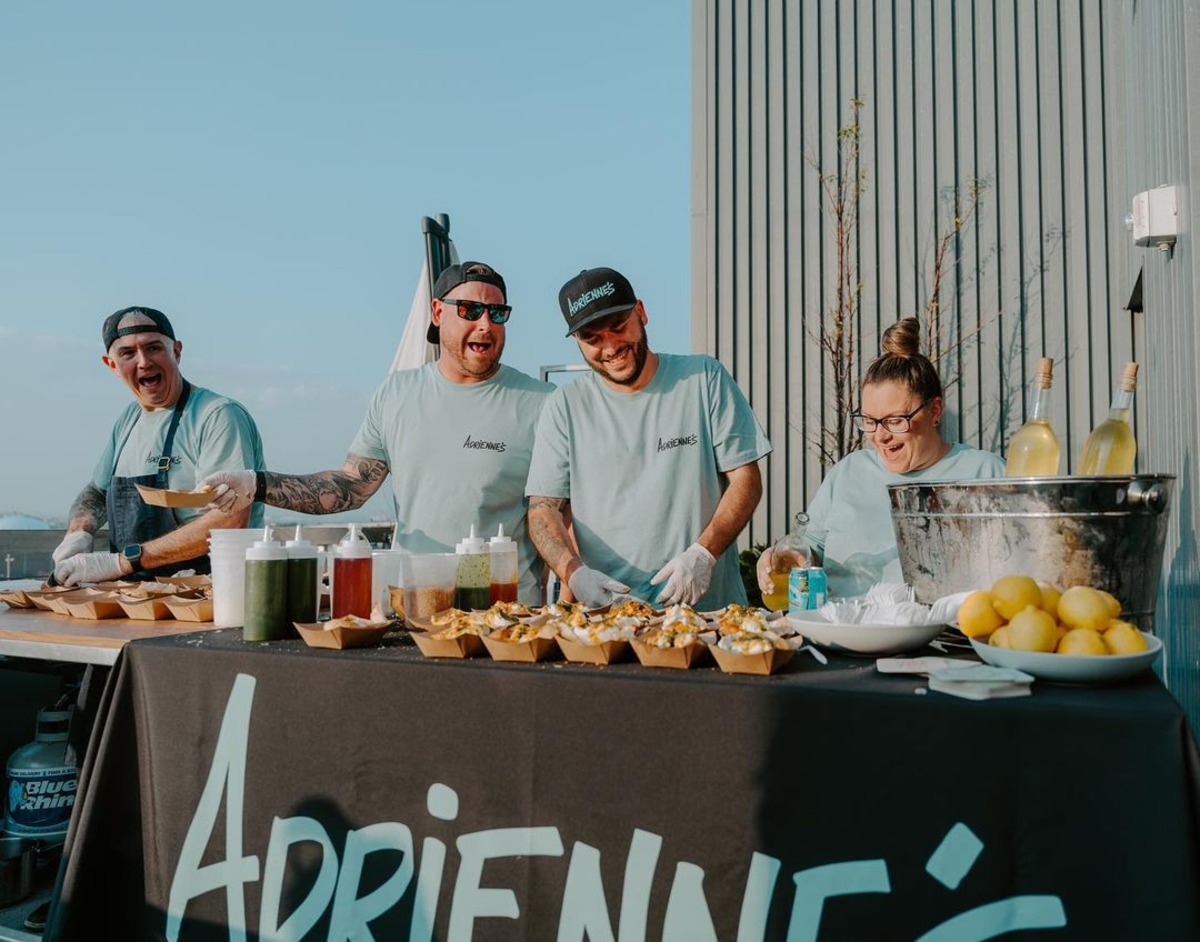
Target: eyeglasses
x=473 y=310
x=896 y=424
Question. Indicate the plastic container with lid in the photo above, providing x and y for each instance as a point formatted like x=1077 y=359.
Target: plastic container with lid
x=352 y=575
x=503 y=568
x=266 y=607
x=303 y=581
x=41 y=783
x=472 y=583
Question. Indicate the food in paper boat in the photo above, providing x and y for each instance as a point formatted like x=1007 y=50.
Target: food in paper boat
x=516 y=633
x=750 y=642
x=348 y=631
x=744 y=618
x=681 y=626
x=352 y=621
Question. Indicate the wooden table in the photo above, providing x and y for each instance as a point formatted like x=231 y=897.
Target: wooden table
x=51 y=637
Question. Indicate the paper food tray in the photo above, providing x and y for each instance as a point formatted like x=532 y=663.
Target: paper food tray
x=165 y=497
x=606 y=652
x=526 y=652
x=673 y=658
x=345 y=636
x=768 y=662
x=463 y=646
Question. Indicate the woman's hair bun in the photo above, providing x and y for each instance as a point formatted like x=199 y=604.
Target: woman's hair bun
x=903 y=338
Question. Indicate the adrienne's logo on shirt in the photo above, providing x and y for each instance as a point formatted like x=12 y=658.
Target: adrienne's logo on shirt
x=481 y=443
x=677 y=442
x=154 y=460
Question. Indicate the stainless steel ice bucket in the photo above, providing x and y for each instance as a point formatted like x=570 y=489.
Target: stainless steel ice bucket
x=1107 y=532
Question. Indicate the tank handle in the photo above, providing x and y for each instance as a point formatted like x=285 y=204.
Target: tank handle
x=1153 y=497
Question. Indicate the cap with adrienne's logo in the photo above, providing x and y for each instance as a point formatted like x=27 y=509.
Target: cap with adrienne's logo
x=592 y=294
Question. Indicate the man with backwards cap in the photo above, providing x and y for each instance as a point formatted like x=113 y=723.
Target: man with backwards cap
x=172 y=435
x=655 y=455
x=455 y=435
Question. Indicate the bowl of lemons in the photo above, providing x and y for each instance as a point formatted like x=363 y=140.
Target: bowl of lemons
x=1071 y=636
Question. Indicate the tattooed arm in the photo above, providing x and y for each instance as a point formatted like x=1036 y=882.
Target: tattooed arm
x=88 y=513
x=327 y=492
x=548 y=529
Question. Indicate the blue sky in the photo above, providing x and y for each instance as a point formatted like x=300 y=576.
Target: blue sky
x=258 y=171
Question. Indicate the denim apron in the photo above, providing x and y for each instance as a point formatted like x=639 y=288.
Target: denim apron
x=131 y=519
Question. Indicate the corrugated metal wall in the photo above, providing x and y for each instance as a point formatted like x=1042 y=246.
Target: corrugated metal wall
x=1061 y=109
x=1162 y=102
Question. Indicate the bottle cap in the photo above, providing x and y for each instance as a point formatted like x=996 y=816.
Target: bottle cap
x=266 y=548
x=300 y=548
x=471 y=544
x=1045 y=374
x=1129 y=376
x=354 y=545
x=500 y=539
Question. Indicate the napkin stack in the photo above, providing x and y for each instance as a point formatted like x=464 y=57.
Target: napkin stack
x=980 y=682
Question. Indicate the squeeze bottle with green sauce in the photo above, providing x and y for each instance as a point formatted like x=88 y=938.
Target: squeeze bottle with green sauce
x=302 y=581
x=472 y=583
x=266 y=591
x=503 y=563
x=352 y=575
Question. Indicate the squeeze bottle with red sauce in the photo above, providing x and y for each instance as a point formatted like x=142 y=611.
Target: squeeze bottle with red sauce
x=352 y=575
x=503 y=585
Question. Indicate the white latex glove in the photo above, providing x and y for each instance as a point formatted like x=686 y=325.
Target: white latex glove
x=74 y=543
x=232 y=490
x=88 y=567
x=687 y=576
x=593 y=588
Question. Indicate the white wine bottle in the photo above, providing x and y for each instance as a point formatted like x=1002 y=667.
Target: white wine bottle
x=1033 y=451
x=1111 y=448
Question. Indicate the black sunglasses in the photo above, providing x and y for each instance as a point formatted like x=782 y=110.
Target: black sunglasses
x=473 y=310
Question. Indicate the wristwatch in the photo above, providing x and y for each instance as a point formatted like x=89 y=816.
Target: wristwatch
x=133 y=556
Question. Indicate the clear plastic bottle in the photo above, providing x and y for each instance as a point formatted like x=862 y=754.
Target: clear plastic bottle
x=352 y=575
x=266 y=616
x=303 y=581
x=41 y=783
x=790 y=550
x=1034 y=451
x=1111 y=448
x=503 y=568
x=472 y=584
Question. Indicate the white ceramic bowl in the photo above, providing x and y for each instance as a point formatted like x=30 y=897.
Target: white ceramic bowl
x=863 y=638
x=1073 y=668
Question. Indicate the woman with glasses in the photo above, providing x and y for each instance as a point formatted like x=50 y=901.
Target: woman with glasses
x=850 y=519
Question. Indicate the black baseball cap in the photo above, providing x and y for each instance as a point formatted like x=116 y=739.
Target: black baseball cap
x=592 y=294
x=112 y=324
x=459 y=274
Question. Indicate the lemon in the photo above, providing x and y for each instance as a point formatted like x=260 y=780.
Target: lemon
x=1010 y=594
x=1082 y=606
x=1081 y=641
x=1123 y=638
x=976 y=616
x=1050 y=596
x=1031 y=629
x=1114 y=607
x=999 y=638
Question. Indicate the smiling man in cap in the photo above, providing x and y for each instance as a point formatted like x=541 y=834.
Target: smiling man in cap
x=455 y=436
x=655 y=456
x=172 y=435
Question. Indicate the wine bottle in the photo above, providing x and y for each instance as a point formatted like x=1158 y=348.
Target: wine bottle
x=1111 y=448
x=1033 y=451
x=790 y=550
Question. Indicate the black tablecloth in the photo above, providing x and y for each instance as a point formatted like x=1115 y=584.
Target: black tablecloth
x=494 y=801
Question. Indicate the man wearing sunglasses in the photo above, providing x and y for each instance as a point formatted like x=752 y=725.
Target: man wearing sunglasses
x=455 y=435
x=656 y=457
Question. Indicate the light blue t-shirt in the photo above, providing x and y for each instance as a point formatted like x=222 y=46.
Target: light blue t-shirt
x=214 y=434
x=643 y=470
x=850 y=518
x=458 y=454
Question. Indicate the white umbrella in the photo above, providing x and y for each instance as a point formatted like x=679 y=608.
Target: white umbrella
x=414 y=349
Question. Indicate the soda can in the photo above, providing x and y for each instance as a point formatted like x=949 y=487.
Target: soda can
x=818 y=590
x=797 y=590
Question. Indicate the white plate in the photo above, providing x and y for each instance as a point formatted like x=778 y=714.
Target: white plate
x=863 y=638
x=1073 y=668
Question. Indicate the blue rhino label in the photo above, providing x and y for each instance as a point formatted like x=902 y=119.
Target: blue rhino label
x=40 y=800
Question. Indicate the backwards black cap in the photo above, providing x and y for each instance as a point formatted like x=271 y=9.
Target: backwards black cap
x=112 y=324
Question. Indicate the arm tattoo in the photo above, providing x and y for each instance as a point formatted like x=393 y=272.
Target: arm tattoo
x=548 y=531
x=89 y=508
x=327 y=492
